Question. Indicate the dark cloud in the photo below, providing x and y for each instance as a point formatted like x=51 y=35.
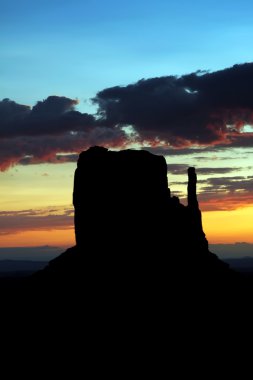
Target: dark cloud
x=165 y=151
x=221 y=193
x=48 y=130
x=179 y=169
x=44 y=219
x=175 y=183
x=170 y=151
x=46 y=148
x=219 y=199
x=219 y=158
x=54 y=115
x=55 y=158
x=229 y=184
x=226 y=193
x=192 y=114
x=224 y=201
x=199 y=108
x=208 y=171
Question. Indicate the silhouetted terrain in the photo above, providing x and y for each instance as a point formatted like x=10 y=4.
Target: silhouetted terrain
x=16 y=266
x=135 y=244
x=244 y=265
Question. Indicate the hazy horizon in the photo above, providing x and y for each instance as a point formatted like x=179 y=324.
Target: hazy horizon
x=46 y=253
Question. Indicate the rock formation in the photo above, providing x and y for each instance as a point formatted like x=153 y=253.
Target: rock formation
x=119 y=199
x=130 y=232
x=122 y=201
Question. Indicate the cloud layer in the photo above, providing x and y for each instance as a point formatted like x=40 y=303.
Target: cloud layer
x=198 y=109
x=32 y=135
x=53 y=116
x=44 y=220
x=181 y=169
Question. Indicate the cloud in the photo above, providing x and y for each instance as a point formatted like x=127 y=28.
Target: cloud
x=52 y=127
x=226 y=193
x=220 y=193
x=208 y=171
x=46 y=148
x=221 y=201
x=56 y=158
x=219 y=158
x=45 y=219
x=198 y=108
x=170 y=151
x=54 y=115
x=229 y=184
x=173 y=115
x=179 y=169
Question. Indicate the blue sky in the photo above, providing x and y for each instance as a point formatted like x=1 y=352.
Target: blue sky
x=78 y=48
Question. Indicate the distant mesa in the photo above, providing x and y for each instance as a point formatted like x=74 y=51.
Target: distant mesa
x=131 y=233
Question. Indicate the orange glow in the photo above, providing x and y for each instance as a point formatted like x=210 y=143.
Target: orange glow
x=226 y=202
x=41 y=212
x=219 y=226
x=59 y=238
x=229 y=226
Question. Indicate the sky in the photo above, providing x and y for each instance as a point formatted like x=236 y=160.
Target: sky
x=173 y=77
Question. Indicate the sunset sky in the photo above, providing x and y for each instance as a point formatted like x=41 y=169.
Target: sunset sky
x=174 y=77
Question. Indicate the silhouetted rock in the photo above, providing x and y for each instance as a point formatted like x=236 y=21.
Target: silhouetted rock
x=119 y=198
x=134 y=239
x=192 y=188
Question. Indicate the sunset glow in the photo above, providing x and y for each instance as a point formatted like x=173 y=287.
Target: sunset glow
x=229 y=226
x=57 y=238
